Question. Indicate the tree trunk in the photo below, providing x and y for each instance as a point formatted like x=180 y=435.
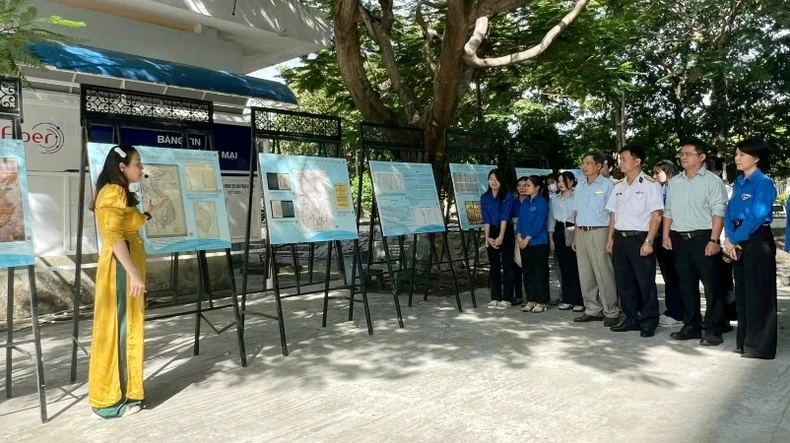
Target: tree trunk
x=720 y=107
x=676 y=97
x=349 y=59
x=448 y=78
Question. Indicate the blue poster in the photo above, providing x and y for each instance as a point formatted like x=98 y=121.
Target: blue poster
x=406 y=198
x=469 y=183
x=308 y=199
x=16 y=225
x=526 y=172
x=182 y=190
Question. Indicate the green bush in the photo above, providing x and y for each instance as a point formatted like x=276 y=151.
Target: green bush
x=782 y=199
x=367 y=194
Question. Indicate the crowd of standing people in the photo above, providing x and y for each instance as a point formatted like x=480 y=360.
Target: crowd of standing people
x=609 y=236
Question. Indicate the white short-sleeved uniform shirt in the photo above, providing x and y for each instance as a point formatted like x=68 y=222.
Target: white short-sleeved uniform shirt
x=633 y=204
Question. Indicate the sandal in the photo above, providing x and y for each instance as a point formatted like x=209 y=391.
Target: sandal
x=540 y=307
x=529 y=306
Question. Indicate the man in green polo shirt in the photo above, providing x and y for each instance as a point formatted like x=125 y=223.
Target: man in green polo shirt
x=693 y=221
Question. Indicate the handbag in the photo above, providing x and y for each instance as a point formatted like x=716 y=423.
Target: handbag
x=569 y=236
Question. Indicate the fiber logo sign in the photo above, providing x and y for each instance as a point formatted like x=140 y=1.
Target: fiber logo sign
x=47 y=136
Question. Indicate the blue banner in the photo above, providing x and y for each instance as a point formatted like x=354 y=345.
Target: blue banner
x=16 y=224
x=232 y=142
x=183 y=192
x=308 y=199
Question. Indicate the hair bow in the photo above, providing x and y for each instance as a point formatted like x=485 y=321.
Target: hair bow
x=119 y=151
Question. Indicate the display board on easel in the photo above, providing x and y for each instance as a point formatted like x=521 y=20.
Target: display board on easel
x=469 y=183
x=526 y=172
x=182 y=190
x=16 y=236
x=390 y=155
x=307 y=201
x=16 y=226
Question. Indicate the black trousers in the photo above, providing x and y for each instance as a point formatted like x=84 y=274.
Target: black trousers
x=535 y=261
x=693 y=267
x=636 y=280
x=755 y=295
x=501 y=263
x=727 y=288
x=566 y=260
x=672 y=298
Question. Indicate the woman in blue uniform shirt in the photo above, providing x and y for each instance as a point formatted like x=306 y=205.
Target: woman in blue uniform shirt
x=500 y=241
x=751 y=245
x=532 y=236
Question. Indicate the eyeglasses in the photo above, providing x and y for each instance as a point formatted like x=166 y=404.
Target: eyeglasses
x=688 y=154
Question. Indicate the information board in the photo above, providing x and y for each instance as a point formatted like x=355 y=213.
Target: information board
x=526 y=172
x=469 y=183
x=308 y=199
x=183 y=192
x=16 y=225
x=406 y=196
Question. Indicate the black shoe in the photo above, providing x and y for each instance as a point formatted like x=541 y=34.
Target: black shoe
x=610 y=322
x=587 y=318
x=738 y=350
x=711 y=340
x=555 y=302
x=517 y=301
x=686 y=334
x=727 y=328
x=624 y=327
x=647 y=334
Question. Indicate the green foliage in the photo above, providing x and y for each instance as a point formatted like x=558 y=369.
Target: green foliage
x=717 y=69
x=21 y=27
x=367 y=194
x=782 y=198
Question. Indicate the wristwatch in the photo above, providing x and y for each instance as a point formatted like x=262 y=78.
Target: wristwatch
x=649 y=241
x=715 y=241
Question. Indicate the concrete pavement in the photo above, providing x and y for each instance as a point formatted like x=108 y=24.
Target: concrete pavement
x=481 y=375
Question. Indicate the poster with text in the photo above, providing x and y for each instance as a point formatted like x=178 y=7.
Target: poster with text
x=469 y=183
x=307 y=199
x=526 y=172
x=182 y=190
x=16 y=226
x=406 y=198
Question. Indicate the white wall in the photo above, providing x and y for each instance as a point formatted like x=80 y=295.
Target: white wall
x=133 y=37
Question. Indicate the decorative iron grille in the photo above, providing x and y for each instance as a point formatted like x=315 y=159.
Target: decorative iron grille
x=108 y=104
x=392 y=136
x=278 y=123
x=10 y=100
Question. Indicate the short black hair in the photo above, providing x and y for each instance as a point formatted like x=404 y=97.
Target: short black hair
x=597 y=156
x=758 y=149
x=635 y=150
x=700 y=146
x=714 y=163
x=667 y=166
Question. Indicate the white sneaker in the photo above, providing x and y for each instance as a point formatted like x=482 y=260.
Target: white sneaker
x=564 y=306
x=503 y=305
x=493 y=304
x=578 y=309
x=665 y=320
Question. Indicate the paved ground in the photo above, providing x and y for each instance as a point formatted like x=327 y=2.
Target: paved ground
x=481 y=375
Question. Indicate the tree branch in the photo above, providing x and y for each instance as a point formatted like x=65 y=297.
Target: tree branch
x=387 y=16
x=481 y=29
x=382 y=39
x=349 y=59
x=493 y=7
x=429 y=34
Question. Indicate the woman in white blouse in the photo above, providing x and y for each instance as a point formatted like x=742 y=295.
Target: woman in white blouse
x=560 y=231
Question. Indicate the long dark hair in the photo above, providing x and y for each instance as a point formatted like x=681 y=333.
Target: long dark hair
x=500 y=177
x=112 y=175
x=569 y=178
x=540 y=182
x=667 y=166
